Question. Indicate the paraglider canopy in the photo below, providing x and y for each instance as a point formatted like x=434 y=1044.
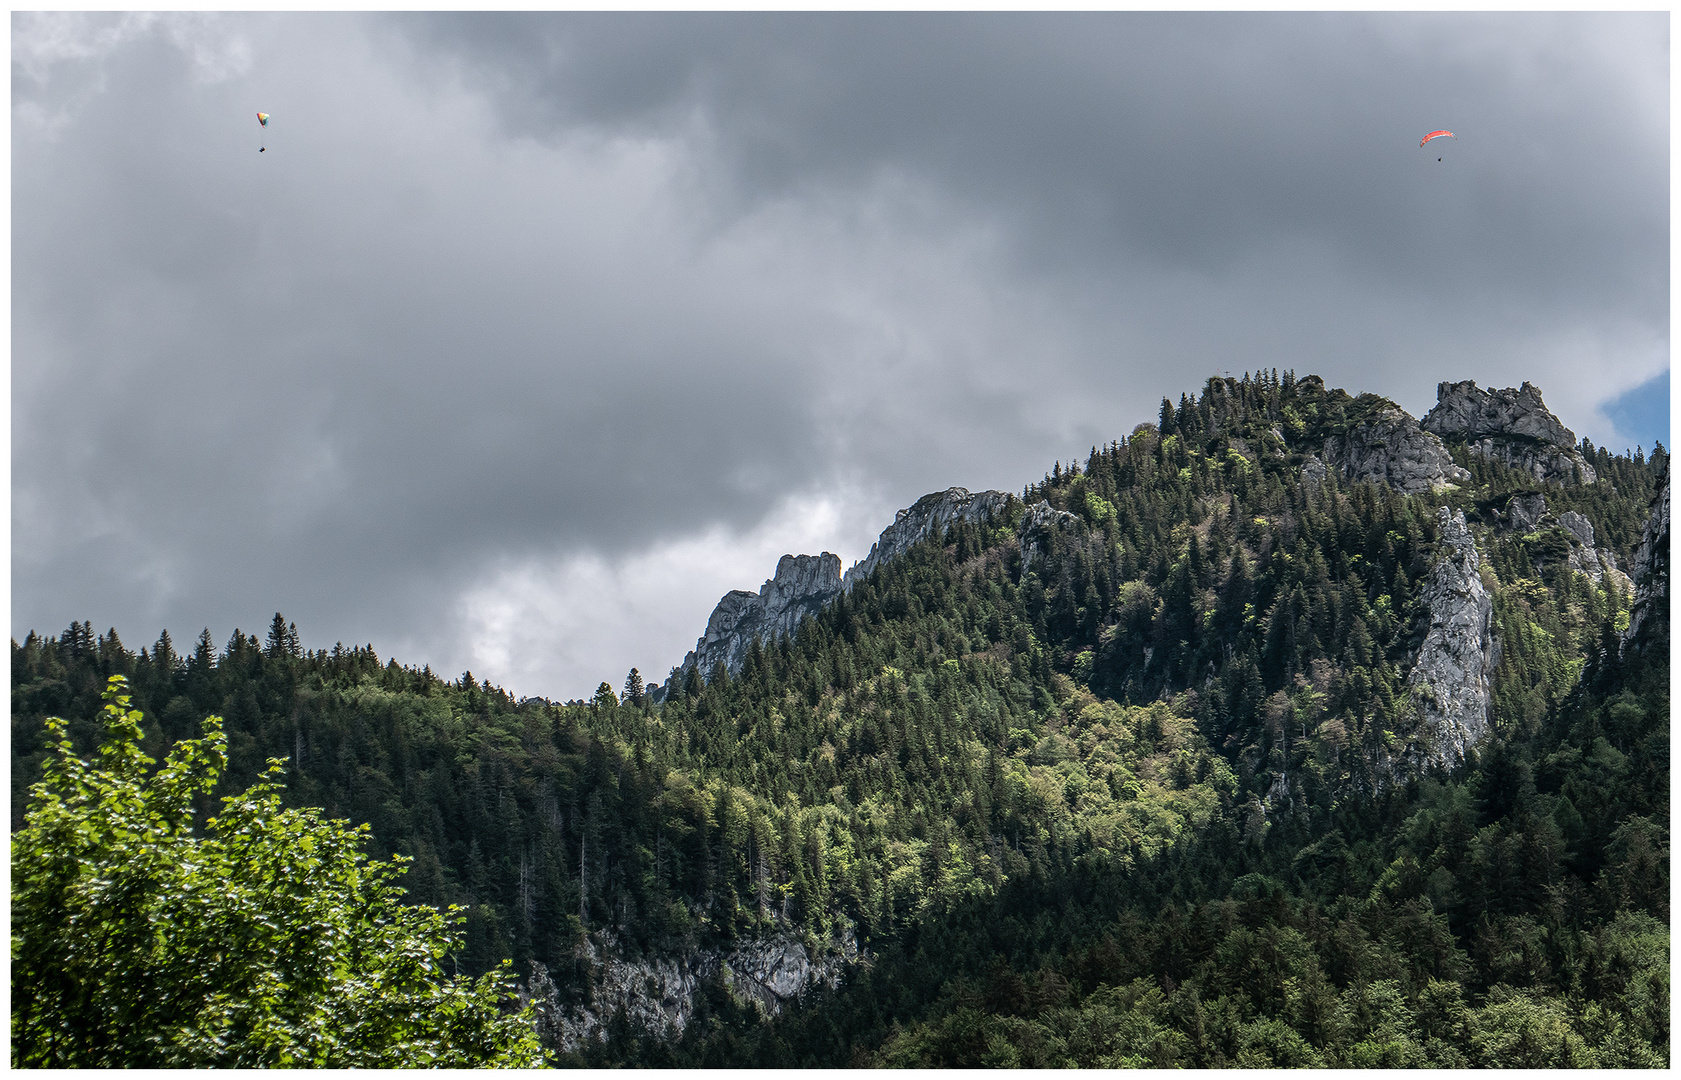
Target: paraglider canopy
x=1437 y=135
x=262 y=118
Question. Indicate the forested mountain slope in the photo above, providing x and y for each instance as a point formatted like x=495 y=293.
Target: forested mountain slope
x=1137 y=769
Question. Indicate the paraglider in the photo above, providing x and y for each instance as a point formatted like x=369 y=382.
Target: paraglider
x=262 y=120
x=1438 y=135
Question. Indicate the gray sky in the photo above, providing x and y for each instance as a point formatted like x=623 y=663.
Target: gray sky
x=529 y=336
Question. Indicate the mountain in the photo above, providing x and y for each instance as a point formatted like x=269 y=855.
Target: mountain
x=1286 y=730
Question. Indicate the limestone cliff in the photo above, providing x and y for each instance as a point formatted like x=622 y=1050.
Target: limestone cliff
x=1511 y=426
x=1451 y=681
x=801 y=586
x=804 y=584
x=1524 y=513
x=657 y=993
x=1390 y=447
x=1033 y=533
x=1597 y=563
x=1648 y=620
x=929 y=516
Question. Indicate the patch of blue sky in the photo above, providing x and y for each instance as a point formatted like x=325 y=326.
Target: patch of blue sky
x=1642 y=414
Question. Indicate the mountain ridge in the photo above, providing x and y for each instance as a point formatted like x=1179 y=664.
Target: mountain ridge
x=1380 y=443
x=1165 y=764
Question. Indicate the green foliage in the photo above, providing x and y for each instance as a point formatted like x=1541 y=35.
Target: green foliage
x=268 y=940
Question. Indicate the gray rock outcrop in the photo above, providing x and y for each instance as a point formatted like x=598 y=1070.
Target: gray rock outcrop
x=1034 y=531
x=802 y=586
x=657 y=993
x=1511 y=426
x=1528 y=513
x=929 y=516
x=1597 y=563
x=1452 y=679
x=1577 y=527
x=1600 y=564
x=1524 y=512
x=1391 y=448
x=805 y=584
x=1648 y=617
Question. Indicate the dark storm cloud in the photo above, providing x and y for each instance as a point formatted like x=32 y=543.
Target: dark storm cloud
x=520 y=312
x=1177 y=141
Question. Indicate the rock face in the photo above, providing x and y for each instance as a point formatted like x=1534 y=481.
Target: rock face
x=1587 y=560
x=1524 y=512
x=1390 y=448
x=1036 y=527
x=929 y=516
x=805 y=584
x=1528 y=513
x=657 y=994
x=1597 y=563
x=802 y=585
x=1452 y=678
x=1648 y=618
x=1577 y=527
x=1510 y=426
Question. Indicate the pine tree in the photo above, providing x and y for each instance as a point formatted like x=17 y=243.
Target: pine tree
x=276 y=647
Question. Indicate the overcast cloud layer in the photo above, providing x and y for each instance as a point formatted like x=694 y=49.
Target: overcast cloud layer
x=529 y=336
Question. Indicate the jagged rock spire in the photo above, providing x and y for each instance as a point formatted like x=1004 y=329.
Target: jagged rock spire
x=1452 y=679
x=805 y=584
x=1511 y=426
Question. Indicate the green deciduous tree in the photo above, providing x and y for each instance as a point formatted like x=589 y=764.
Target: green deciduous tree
x=264 y=938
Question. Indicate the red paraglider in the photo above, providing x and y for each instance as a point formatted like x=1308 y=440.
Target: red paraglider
x=1438 y=135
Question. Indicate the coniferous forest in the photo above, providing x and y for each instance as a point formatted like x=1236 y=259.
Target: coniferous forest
x=1141 y=799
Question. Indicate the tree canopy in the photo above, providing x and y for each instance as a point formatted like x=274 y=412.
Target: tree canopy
x=265 y=937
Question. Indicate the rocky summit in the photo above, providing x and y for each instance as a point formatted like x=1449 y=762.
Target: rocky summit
x=1378 y=442
x=1511 y=426
x=801 y=586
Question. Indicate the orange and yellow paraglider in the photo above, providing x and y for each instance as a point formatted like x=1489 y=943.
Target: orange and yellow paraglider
x=262 y=120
